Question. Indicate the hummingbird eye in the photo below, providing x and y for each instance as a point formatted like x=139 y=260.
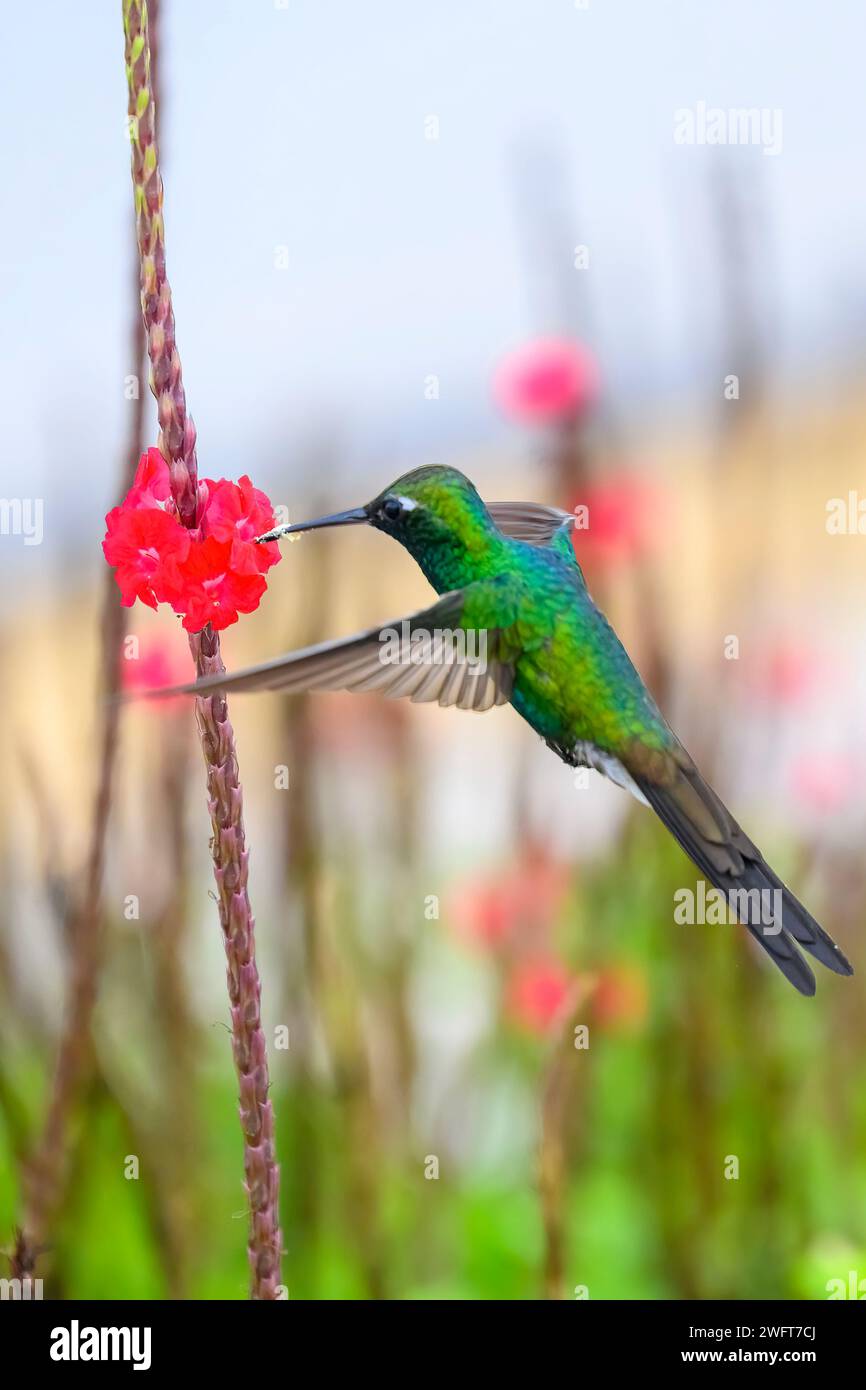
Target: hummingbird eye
x=392 y=509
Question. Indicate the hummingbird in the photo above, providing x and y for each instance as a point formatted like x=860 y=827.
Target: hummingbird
x=507 y=573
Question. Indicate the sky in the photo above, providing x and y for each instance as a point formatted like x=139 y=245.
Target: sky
x=327 y=257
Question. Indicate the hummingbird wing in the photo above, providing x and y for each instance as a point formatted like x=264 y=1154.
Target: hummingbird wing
x=530 y=521
x=723 y=852
x=425 y=657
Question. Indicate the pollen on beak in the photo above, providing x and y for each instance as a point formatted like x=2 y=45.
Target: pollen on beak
x=354 y=517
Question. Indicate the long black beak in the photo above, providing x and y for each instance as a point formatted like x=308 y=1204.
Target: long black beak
x=354 y=517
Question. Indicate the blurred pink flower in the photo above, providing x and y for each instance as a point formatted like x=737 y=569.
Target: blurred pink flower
x=538 y=994
x=621 y=521
x=785 y=673
x=547 y=380
x=485 y=914
x=825 y=783
x=517 y=903
x=161 y=664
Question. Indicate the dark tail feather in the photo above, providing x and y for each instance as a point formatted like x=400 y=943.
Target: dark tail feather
x=805 y=930
x=726 y=856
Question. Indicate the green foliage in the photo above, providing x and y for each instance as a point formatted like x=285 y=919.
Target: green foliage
x=722 y=1064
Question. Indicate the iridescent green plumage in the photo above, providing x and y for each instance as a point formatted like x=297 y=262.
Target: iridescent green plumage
x=509 y=572
x=573 y=679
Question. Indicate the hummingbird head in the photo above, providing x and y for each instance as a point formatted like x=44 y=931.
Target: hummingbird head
x=435 y=513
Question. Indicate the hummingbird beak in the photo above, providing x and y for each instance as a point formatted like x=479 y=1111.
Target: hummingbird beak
x=354 y=517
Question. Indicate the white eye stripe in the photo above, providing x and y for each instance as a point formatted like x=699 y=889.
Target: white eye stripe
x=395 y=508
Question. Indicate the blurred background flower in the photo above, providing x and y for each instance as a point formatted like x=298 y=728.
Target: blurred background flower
x=538 y=995
x=550 y=380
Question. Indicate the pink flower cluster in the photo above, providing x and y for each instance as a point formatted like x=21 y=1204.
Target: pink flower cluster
x=210 y=574
x=549 y=380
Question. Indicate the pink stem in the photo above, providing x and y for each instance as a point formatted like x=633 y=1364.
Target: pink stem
x=230 y=854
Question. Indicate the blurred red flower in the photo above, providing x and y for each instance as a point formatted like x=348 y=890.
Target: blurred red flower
x=616 y=521
x=159 y=666
x=211 y=574
x=486 y=913
x=547 y=380
x=516 y=903
x=538 y=994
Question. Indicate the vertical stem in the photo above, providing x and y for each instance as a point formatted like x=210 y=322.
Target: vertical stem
x=225 y=799
x=564 y=1088
x=177 y=431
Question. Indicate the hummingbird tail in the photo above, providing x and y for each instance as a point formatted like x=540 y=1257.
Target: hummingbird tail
x=713 y=840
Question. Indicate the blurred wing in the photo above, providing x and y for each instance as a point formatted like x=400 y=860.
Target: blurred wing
x=530 y=521
x=426 y=657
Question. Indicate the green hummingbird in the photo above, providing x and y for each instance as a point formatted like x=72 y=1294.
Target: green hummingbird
x=512 y=593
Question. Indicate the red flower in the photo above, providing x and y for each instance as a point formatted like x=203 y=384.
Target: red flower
x=547 y=380
x=210 y=574
x=210 y=591
x=539 y=993
x=238 y=512
x=151 y=486
x=146 y=545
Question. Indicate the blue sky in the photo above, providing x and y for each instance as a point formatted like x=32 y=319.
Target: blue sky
x=304 y=127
